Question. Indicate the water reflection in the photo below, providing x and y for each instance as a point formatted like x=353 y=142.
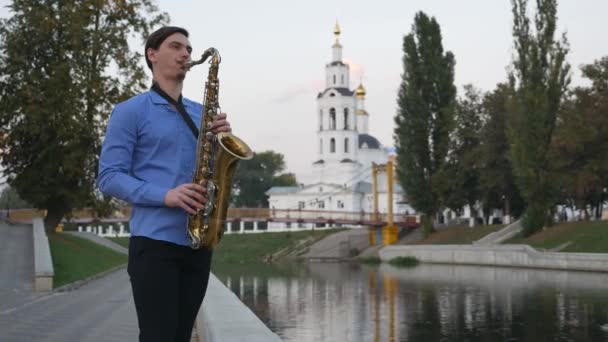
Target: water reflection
x=351 y=302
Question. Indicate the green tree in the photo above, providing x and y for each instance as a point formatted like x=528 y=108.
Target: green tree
x=581 y=141
x=459 y=177
x=63 y=64
x=496 y=179
x=424 y=116
x=255 y=176
x=540 y=77
x=9 y=199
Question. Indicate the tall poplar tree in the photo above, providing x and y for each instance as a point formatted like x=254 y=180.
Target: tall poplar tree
x=425 y=113
x=540 y=77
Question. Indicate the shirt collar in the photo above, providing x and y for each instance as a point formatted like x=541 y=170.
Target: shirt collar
x=157 y=99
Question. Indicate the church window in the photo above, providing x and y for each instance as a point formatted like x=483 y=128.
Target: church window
x=332 y=118
x=332 y=145
x=342 y=79
x=334 y=79
x=340 y=205
x=321 y=120
x=321 y=204
x=345 y=118
x=301 y=205
x=320 y=145
x=345 y=145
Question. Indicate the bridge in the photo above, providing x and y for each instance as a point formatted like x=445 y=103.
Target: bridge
x=320 y=217
x=236 y=215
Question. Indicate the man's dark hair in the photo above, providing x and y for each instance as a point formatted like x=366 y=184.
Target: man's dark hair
x=158 y=37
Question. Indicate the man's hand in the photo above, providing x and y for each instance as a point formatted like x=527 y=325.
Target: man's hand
x=190 y=197
x=220 y=124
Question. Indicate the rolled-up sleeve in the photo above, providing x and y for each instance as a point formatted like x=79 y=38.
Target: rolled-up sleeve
x=115 y=162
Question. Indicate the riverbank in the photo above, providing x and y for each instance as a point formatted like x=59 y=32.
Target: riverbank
x=261 y=247
x=569 y=237
x=267 y=247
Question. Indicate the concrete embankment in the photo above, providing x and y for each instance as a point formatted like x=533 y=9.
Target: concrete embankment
x=499 y=255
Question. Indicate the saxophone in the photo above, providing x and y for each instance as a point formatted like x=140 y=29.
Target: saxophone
x=216 y=160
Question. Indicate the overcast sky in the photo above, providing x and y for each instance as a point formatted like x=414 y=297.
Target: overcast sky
x=274 y=53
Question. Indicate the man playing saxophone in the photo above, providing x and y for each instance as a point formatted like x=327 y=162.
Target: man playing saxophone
x=147 y=160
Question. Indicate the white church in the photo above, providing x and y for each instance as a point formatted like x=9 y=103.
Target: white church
x=342 y=171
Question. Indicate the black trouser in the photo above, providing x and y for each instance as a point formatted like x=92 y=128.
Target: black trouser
x=169 y=282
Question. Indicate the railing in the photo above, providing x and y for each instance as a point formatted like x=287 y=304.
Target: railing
x=252 y=214
x=360 y=217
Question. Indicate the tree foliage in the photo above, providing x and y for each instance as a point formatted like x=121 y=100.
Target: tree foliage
x=9 y=199
x=582 y=142
x=255 y=176
x=459 y=177
x=540 y=77
x=424 y=115
x=496 y=179
x=63 y=65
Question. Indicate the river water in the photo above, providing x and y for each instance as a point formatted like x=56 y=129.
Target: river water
x=352 y=302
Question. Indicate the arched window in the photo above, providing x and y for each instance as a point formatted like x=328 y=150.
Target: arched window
x=320 y=145
x=345 y=145
x=345 y=118
x=334 y=79
x=332 y=145
x=332 y=118
x=321 y=120
x=342 y=78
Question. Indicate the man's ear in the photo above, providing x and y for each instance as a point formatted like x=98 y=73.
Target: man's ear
x=151 y=54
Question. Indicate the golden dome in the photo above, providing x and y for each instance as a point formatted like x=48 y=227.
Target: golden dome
x=360 y=91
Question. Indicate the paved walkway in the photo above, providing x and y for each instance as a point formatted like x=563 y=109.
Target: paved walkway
x=16 y=265
x=101 y=310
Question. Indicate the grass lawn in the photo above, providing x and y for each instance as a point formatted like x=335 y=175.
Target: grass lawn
x=460 y=235
x=75 y=258
x=583 y=237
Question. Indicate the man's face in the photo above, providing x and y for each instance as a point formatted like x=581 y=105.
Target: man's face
x=169 y=61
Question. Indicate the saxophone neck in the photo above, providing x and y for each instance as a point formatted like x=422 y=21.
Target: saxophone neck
x=215 y=60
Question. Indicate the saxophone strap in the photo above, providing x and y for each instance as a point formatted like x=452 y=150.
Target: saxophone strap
x=179 y=106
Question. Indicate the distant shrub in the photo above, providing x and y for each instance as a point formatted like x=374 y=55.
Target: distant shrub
x=404 y=261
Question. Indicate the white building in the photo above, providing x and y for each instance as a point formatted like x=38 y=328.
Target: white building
x=345 y=153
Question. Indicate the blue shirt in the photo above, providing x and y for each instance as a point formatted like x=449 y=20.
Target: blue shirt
x=148 y=150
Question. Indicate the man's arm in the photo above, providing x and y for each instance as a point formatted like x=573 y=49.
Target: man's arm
x=115 y=163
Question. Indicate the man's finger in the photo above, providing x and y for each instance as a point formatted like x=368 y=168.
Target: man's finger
x=195 y=195
x=191 y=203
x=187 y=208
x=218 y=123
x=196 y=187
